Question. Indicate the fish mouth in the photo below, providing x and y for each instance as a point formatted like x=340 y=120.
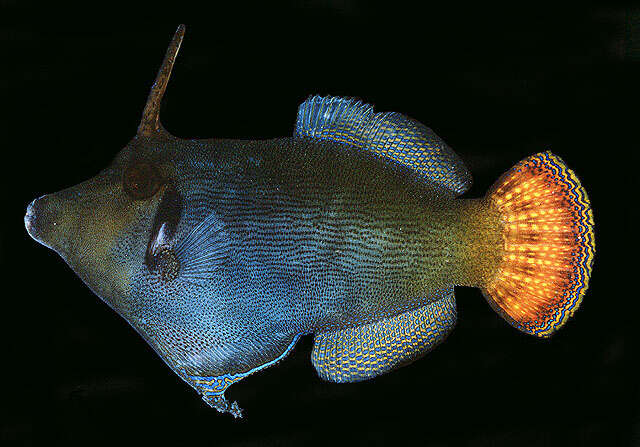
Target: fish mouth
x=29 y=219
x=32 y=222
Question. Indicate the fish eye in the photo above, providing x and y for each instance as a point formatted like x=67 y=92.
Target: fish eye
x=141 y=180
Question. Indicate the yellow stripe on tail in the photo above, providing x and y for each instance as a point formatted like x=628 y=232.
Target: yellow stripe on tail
x=548 y=244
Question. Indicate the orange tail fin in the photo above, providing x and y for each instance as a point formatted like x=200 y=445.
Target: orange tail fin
x=548 y=244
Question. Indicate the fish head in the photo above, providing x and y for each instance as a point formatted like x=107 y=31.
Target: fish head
x=148 y=235
x=102 y=227
x=145 y=236
x=157 y=236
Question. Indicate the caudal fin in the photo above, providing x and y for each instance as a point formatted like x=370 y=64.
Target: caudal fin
x=548 y=244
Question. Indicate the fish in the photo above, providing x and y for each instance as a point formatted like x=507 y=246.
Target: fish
x=222 y=253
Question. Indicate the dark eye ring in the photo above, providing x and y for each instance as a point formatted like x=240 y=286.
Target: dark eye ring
x=141 y=180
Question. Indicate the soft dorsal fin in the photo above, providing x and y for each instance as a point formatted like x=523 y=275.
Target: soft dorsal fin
x=389 y=134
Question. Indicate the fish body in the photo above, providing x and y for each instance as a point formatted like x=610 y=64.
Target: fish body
x=222 y=253
x=311 y=242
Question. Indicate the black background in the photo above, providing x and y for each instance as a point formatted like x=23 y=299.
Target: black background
x=498 y=83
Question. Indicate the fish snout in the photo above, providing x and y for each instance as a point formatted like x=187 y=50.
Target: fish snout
x=85 y=225
x=42 y=221
x=30 y=219
x=34 y=219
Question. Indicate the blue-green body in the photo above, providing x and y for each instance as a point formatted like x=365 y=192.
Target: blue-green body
x=296 y=236
x=222 y=253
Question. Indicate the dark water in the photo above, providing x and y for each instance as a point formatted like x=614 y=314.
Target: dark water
x=497 y=84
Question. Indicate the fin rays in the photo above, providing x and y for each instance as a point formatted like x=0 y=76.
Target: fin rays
x=390 y=135
x=364 y=352
x=549 y=244
x=204 y=249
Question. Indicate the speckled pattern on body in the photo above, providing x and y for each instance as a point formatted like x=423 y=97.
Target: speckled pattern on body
x=223 y=253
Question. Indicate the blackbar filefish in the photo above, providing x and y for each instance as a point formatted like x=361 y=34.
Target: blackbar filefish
x=222 y=253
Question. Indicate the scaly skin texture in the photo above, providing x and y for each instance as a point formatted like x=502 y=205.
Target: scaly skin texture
x=320 y=236
x=472 y=231
x=222 y=253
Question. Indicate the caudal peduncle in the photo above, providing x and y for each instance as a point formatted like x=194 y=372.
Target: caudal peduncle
x=465 y=236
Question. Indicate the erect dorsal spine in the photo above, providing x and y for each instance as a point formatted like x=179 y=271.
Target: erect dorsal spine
x=150 y=123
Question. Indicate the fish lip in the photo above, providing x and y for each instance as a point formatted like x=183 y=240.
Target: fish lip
x=30 y=223
x=29 y=218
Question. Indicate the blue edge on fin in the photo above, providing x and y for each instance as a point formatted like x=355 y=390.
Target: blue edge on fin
x=390 y=135
x=216 y=386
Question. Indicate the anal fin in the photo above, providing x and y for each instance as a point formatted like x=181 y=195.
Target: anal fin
x=363 y=352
